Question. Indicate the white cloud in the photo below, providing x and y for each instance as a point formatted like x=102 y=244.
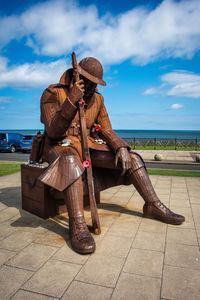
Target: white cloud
x=5 y=100
x=34 y=75
x=56 y=27
x=176 y=106
x=177 y=84
x=184 y=84
x=150 y=91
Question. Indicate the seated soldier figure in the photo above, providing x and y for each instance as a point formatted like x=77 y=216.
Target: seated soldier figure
x=62 y=149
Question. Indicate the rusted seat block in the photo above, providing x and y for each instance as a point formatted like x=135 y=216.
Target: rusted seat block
x=40 y=199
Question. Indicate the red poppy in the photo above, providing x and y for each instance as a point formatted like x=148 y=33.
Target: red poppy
x=97 y=127
x=82 y=102
x=87 y=163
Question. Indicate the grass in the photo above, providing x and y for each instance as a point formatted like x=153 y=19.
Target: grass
x=7 y=168
x=182 y=173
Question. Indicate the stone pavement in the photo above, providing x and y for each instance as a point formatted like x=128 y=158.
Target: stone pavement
x=135 y=259
x=170 y=155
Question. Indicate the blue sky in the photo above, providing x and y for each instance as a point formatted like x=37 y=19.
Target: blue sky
x=150 y=51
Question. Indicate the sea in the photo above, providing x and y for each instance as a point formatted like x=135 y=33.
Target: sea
x=131 y=134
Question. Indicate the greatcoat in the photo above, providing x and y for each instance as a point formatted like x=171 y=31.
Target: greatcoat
x=61 y=120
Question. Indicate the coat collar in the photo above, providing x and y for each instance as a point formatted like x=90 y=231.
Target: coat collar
x=66 y=78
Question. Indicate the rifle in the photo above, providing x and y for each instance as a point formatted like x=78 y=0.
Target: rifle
x=86 y=154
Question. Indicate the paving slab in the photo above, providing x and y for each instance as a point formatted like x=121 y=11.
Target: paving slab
x=152 y=226
x=169 y=155
x=6 y=229
x=101 y=270
x=131 y=286
x=149 y=241
x=182 y=236
x=32 y=257
x=123 y=227
x=52 y=239
x=8 y=213
x=196 y=213
x=112 y=245
x=179 y=202
x=11 y=279
x=25 y=295
x=53 y=278
x=181 y=283
x=144 y=262
x=18 y=240
x=84 y=291
x=5 y=255
x=136 y=258
x=184 y=256
x=65 y=253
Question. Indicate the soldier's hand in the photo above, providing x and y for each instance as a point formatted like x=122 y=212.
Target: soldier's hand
x=123 y=155
x=76 y=91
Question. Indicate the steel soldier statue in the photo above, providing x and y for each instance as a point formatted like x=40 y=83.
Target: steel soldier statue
x=113 y=163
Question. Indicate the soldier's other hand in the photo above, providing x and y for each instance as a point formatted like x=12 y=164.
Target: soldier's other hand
x=76 y=91
x=123 y=155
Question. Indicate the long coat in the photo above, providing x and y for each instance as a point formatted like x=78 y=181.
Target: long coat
x=61 y=120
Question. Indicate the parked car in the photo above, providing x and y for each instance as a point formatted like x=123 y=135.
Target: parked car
x=10 y=141
x=26 y=142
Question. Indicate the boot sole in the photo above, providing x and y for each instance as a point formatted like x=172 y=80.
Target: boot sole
x=164 y=221
x=84 y=251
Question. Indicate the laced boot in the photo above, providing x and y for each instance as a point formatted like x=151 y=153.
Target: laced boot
x=81 y=239
x=153 y=207
x=157 y=210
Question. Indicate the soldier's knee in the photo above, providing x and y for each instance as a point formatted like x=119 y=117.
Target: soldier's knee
x=136 y=161
x=62 y=152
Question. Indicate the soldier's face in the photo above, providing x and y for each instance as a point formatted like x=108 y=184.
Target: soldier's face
x=89 y=87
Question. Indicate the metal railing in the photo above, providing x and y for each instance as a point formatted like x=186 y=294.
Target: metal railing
x=164 y=143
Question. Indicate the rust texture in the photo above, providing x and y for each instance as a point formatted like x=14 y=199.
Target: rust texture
x=112 y=161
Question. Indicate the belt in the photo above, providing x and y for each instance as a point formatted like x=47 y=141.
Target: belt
x=76 y=131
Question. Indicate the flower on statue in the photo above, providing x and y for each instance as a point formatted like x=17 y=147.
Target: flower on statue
x=97 y=127
x=82 y=102
x=87 y=163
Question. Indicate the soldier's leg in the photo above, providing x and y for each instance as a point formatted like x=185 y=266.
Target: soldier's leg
x=153 y=207
x=68 y=173
x=137 y=175
x=81 y=239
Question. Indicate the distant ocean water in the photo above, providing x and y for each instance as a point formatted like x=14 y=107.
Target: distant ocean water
x=158 y=134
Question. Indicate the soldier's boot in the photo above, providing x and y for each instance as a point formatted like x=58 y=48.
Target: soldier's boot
x=81 y=239
x=153 y=207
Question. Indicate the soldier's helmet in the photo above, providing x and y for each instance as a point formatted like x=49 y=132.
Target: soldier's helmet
x=92 y=69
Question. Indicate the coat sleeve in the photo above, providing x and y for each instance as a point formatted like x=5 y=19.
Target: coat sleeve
x=107 y=133
x=56 y=118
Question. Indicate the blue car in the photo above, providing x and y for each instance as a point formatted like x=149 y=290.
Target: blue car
x=10 y=142
x=26 y=143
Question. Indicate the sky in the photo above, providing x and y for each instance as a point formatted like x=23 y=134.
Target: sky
x=150 y=52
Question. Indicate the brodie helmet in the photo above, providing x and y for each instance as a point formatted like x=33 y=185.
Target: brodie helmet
x=92 y=69
x=88 y=67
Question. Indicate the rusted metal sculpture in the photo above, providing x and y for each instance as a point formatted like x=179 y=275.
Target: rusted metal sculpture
x=112 y=161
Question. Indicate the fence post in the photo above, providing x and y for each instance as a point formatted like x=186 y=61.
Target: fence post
x=134 y=143
x=175 y=143
x=154 y=146
x=196 y=144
